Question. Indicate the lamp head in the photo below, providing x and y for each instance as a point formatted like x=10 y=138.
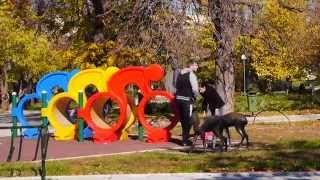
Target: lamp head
x=243 y=57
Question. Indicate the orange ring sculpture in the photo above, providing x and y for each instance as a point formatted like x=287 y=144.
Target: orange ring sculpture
x=157 y=134
x=141 y=77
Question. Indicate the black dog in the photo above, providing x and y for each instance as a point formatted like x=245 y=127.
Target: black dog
x=210 y=124
x=217 y=124
x=212 y=100
x=237 y=120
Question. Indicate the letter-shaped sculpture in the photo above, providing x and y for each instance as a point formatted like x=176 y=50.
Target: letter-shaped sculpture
x=142 y=77
x=56 y=111
x=46 y=83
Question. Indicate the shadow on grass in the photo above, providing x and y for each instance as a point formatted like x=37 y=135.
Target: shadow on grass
x=283 y=156
x=261 y=175
x=175 y=141
x=298 y=144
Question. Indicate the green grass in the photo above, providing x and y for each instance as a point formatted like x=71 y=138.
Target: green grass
x=281 y=156
x=291 y=102
x=34 y=106
x=298 y=144
x=274 y=147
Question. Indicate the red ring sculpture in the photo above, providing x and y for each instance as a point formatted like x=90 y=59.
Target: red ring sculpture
x=157 y=134
x=141 y=77
x=93 y=117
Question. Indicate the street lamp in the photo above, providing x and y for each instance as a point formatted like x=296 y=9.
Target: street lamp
x=244 y=58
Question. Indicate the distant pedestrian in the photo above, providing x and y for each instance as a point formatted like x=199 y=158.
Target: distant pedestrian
x=302 y=88
x=288 y=85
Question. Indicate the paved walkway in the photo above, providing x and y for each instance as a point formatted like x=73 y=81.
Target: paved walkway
x=66 y=149
x=281 y=118
x=73 y=149
x=190 y=176
x=5 y=119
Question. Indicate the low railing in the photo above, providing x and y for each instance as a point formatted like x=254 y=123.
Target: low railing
x=42 y=140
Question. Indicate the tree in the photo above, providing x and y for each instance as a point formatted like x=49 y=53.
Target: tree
x=225 y=18
x=160 y=28
x=284 y=42
x=22 y=52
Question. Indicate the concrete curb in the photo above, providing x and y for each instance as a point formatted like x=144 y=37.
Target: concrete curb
x=187 y=176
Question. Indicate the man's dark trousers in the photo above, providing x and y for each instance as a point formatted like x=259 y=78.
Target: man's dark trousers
x=185 y=109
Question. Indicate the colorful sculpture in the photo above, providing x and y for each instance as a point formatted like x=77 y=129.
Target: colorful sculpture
x=111 y=85
x=141 y=77
x=47 y=83
x=56 y=111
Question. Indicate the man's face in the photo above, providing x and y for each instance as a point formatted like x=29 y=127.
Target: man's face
x=194 y=67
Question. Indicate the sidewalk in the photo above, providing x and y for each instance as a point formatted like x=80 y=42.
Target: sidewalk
x=189 y=176
x=5 y=119
x=281 y=118
x=57 y=152
x=74 y=150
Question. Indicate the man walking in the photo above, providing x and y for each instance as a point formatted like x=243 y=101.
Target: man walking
x=187 y=89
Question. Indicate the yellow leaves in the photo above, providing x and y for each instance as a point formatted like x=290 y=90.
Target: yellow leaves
x=134 y=56
x=107 y=54
x=68 y=55
x=110 y=45
x=281 y=45
x=6 y=8
x=276 y=63
x=93 y=47
x=276 y=17
x=111 y=60
x=205 y=37
x=271 y=66
x=25 y=50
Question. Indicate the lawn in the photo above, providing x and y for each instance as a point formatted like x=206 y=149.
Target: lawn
x=274 y=147
x=291 y=103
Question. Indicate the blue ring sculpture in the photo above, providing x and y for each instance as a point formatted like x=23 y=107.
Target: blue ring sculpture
x=46 y=83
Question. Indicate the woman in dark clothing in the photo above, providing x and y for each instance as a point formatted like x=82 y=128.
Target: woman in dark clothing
x=210 y=97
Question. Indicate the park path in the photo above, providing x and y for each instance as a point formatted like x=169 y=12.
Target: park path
x=71 y=149
x=5 y=119
x=34 y=118
x=190 y=176
x=282 y=118
x=74 y=149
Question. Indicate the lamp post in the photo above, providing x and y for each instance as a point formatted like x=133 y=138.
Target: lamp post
x=244 y=58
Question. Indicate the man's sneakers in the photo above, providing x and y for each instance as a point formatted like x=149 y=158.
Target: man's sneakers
x=187 y=143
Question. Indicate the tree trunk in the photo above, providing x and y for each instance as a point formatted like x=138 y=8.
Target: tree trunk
x=224 y=16
x=30 y=90
x=1 y=89
x=4 y=87
x=94 y=11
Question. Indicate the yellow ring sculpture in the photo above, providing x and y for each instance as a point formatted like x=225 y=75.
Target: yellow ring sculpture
x=56 y=110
